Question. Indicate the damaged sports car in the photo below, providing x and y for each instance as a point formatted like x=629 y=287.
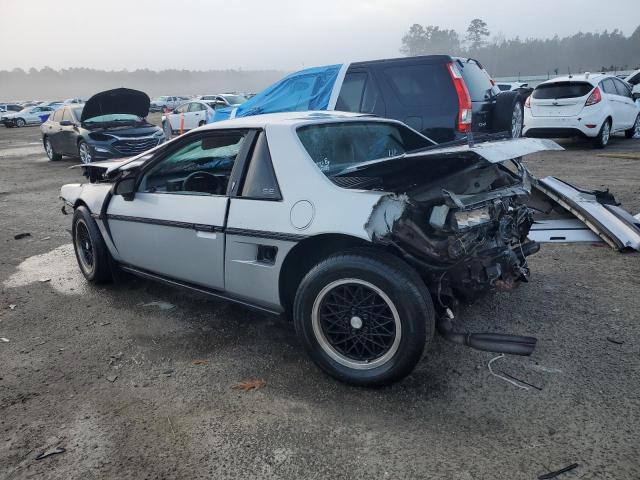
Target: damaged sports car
x=359 y=229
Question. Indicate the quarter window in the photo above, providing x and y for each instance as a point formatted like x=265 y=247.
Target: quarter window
x=201 y=167
x=66 y=115
x=260 y=180
x=609 y=87
x=351 y=92
x=622 y=89
x=420 y=85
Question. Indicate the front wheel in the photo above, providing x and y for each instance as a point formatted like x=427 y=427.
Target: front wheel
x=20 y=122
x=84 y=152
x=91 y=252
x=602 y=139
x=634 y=132
x=516 y=120
x=364 y=317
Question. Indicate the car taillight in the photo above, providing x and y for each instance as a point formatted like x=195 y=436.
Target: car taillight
x=464 y=99
x=527 y=102
x=594 y=98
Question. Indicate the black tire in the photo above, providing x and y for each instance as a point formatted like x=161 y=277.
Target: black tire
x=20 y=122
x=202 y=122
x=48 y=148
x=84 y=152
x=376 y=275
x=633 y=130
x=91 y=252
x=503 y=118
x=602 y=140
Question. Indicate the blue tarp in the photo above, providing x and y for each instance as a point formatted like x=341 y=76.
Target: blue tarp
x=308 y=89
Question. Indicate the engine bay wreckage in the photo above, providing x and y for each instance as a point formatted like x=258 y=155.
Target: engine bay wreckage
x=466 y=217
x=463 y=217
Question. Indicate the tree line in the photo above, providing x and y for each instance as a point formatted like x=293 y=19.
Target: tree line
x=591 y=51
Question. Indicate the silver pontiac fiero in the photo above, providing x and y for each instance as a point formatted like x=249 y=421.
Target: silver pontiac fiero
x=361 y=230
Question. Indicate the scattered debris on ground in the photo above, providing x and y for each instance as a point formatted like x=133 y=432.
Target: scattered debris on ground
x=6 y=340
x=22 y=235
x=200 y=362
x=512 y=380
x=160 y=305
x=49 y=452
x=613 y=340
x=112 y=378
x=549 y=475
x=253 y=384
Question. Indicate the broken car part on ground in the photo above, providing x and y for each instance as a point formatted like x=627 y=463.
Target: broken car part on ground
x=252 y=204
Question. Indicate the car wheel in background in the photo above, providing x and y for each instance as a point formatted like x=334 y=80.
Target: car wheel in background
x=84 y=152
x=508 y=115
x=202 y=122
x=20 y=122
x=602 y=139
x=53 y=156
x=91 y=252
x=634 y=132
x=364 y=317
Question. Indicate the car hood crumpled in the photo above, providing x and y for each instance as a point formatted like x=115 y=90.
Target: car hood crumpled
x=118 y=100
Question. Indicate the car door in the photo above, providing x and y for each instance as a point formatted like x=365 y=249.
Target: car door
x=197 y=114
x=174 y=224
x=179 y=115
x=68 y=133
x=610 y=94
x=51 y=128
x=628 y=106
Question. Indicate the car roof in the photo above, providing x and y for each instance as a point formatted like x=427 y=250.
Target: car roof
x=290 y=118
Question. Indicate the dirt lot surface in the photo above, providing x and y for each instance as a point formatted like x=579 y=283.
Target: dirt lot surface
x=108 y=373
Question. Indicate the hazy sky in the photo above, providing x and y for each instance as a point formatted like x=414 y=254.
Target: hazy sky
x=263 y=34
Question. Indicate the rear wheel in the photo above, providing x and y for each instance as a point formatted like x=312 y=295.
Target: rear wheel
x=634 y=132
x=364 y=317
x=508 y=114
x=602 y=139
x=20 y=122
x=53 y=156
x=91 y=252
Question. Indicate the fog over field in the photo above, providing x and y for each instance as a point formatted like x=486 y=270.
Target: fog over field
x=75 y=48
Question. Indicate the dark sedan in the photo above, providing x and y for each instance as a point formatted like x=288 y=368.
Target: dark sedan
x=110 y=125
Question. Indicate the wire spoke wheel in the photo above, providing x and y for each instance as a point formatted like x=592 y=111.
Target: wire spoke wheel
x=356 y=323
x=84 y=247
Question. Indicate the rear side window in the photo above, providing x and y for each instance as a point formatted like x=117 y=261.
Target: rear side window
x=608 y=86
x=260 y=181
x=420 y=85
x=336 y=146
x=562 y=90
x=66 y=115
x=477 y=81
x=57 y=116
x=622 y=89
x=351 y=92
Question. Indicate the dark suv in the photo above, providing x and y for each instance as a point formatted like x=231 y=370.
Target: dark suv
x=441 y=96
x=438 y=95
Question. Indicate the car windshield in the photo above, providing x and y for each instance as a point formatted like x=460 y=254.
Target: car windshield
x=114 y=117
x=335 y=147
x=234 y=99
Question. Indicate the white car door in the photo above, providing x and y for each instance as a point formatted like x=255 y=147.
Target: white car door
x=629 y=108
x=610 y=94
x=177 y=116
x=197 y=114
x=174 y=225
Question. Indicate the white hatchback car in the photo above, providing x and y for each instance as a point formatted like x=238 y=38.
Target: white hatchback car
x=593 y=106
x=188 y=116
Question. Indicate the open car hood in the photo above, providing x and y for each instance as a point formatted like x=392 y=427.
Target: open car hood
x=455 y=157
x=118 y=100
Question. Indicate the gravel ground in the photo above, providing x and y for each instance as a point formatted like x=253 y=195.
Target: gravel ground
x=108 y=373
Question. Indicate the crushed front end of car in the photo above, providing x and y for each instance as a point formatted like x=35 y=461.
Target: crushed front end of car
x=460 y=216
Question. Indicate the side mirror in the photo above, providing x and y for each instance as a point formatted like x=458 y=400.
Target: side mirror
x=127 y=188
x=66 y=123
